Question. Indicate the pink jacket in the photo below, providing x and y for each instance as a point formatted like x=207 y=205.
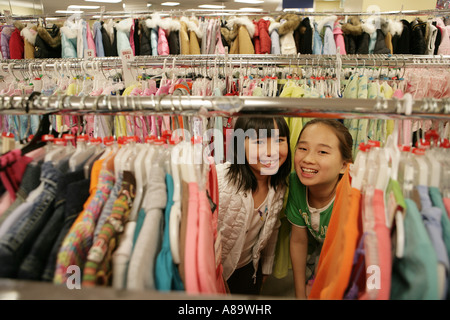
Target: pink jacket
x=163 y=44
x=339 y=38
x=90 y=39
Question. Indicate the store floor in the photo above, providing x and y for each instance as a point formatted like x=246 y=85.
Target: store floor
x=279 y=287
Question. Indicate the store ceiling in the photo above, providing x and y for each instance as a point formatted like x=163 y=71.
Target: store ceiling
x=50 y=6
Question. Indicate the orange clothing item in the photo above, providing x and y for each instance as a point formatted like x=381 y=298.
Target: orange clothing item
x=336 y=258
x=95 y=173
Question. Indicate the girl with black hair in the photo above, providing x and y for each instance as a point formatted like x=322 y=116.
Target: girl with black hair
x=252 y=184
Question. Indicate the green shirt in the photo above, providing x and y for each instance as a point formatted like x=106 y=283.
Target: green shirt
x=298 y=213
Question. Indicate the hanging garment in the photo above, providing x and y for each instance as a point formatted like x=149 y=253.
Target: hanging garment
x=352 y=34
x=32 y=267
x=274 y=37
x=16 y=43
x=78 y=241
x=48 y=42
x=241 y=36
x=29 y=34
x=288 y=24
x=303 y=37
x=98 y=267
x=336 y=258
x=107 y=42
x=69 y=42
x=339 y=37
x=5 y=36
x=123 y=30
x=16 y=243
x=261 y=38
x=184 y=37
x=98 y=39
x=414 y=275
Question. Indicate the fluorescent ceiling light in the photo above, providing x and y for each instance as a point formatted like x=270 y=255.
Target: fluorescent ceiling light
x=250 y=1
x=105 y=1
x=170 y=4
x=251 y=9
x=149 y=4
x=68 y=11
x=291 y=9
x=211 y=6
x=22 y=4
x=74 y=6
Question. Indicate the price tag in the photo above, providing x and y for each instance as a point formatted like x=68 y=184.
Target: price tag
x=89 y=54
x=127 y=56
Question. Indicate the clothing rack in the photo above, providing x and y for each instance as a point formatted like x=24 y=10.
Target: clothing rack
x=229 y=106
x=234 y=60
x=225 y=12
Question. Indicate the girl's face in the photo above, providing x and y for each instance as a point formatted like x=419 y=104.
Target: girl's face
x=318 y=159
x=265 y=155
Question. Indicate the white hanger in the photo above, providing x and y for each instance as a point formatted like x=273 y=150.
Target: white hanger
x=358 y=168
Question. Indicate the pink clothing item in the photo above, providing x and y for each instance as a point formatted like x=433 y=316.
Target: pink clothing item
x=163 y=44
x=136 y=92
x=213 y=189
x=398 y=94
x=381 y=256
x=444 y=46
x=90 y=39
x=219 y=45
x=133 y=46
x=339 y=38
x=192 y=282
x=12 y=168
x=447 y=205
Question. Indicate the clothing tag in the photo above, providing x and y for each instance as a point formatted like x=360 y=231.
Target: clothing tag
x=127 y=56
x=89 y=54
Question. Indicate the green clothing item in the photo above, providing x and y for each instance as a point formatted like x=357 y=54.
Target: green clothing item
x=414 y=275
x=282 y=262
x=298 y=213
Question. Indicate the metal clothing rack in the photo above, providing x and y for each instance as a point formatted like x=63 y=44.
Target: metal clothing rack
x=232 y=60
x=229 y=106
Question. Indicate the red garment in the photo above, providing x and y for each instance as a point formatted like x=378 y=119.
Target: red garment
x=16 y=45
x=192 y=282
x=12 y=168
x=256 y=40
x=264 y=37
x=336 y=258
x=213 y=190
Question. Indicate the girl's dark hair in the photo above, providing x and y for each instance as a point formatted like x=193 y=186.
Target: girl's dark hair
x=239 y=171
x=342 y=133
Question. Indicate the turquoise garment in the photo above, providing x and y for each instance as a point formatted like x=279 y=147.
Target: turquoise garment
x=414 y=275
x=167 y=277
x=139 y=223
x=436 y=198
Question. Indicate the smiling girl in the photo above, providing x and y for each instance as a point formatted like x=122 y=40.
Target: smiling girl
x=323 y=151
x=251 y=193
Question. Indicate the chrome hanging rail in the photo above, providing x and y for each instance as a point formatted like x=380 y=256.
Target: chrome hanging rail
x=230 y=106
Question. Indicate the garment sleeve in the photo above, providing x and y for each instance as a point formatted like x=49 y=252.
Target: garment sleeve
x=293 y=208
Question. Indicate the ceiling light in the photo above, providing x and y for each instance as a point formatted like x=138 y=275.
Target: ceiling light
x=68 y=11
x=211 y=6
x=105 y=1
x=149 y=4
x=250 y=1
x=251 y=9
x=170 y=4
x=73 y=6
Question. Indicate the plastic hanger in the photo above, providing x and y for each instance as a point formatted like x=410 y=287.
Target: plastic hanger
x=432 y=138
x=140 y=175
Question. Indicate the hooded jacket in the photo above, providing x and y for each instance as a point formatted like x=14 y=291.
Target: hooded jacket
x=172 y=30
x=352 y=35
x=418 y=44
x=339 y=37
x=288 y=23
x=232 y=220
x=403 y=42
x=240 y=35
x=16 y=42
x=326 y=26
x=48 y=42
x=184 y=37
x=69 y=42
x=152 y=24
x=29 y=34
x=97 y=34
x=123 y=29
x=163 y=43
x=303 y=36
x=430 y=38
x=146 y=46
x=137 y=37
x=274 y=37
x=195 y=34
x=106 y=41
x=262 y=41
x=369 y=27
x=392 y=30
x=5 y=37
